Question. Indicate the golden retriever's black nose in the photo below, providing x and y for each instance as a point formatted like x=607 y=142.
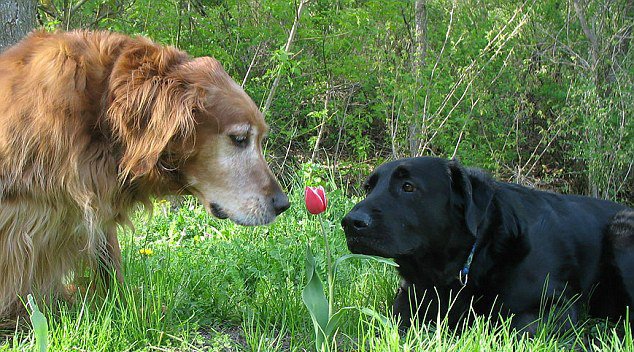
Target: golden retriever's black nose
x=280 y=203
x=356 y=220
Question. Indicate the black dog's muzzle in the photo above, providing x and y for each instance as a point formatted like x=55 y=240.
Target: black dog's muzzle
x=356 y=222
x=359 y=228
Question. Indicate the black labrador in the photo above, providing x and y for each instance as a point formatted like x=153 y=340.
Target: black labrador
x=506 y=248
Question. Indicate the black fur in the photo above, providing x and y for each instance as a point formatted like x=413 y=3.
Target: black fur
x=428 y=213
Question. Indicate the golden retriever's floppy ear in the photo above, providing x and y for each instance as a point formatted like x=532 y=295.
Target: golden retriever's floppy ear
x=149 y=106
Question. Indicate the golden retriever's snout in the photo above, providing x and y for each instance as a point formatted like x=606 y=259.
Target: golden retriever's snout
x=280 y=202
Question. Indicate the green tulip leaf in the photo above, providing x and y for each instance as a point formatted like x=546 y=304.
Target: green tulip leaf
x=315 y=300
x=387 y=261
x=335 y=320
x=40 y=325
x=385 y=321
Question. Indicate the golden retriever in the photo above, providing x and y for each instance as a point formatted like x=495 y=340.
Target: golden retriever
x=92 y=123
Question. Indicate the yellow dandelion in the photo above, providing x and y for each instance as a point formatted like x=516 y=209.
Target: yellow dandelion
x=146 y=251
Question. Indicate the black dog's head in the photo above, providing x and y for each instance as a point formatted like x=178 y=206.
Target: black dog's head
x=411 y=205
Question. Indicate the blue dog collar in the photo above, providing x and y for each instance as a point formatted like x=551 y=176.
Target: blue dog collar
x=463 y=274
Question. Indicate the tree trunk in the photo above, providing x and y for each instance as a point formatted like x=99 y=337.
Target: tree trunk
x=420 y=52
x=17 y=18
x=421 y=33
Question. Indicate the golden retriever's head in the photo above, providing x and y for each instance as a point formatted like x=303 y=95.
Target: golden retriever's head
x=187 y=122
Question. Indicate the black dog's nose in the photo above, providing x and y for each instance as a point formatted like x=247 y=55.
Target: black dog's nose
x=356 y=220
x=280 y=203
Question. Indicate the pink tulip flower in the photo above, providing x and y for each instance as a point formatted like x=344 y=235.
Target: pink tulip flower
x=316 y=201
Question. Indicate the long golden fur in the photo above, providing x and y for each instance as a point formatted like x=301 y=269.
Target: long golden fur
x=92 y=123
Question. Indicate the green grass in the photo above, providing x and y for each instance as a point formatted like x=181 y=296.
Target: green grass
x=211 y=285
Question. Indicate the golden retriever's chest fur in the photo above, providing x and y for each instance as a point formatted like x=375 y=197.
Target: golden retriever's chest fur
x=51 y=226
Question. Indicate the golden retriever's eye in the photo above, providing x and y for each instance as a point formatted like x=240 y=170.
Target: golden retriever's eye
x=408 y=187
x=239 y=140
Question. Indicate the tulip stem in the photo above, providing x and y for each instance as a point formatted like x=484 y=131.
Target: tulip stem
x=331 y=285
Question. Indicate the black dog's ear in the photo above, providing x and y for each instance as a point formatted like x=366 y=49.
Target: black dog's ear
x=462 y=192
x=475 y=191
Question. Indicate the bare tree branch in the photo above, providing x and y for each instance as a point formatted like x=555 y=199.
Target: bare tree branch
x=587 y=31
x=79 y=4
x=287 y=48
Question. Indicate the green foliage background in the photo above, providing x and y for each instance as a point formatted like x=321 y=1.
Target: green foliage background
x=537 y=92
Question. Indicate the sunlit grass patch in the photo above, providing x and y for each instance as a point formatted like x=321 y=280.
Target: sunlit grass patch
x=195 y=283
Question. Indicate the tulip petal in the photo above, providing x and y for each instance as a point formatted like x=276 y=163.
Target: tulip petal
x=315 y=198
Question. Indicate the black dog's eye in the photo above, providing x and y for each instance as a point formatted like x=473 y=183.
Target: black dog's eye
x=367 y=188
x=408 y=187
x=240 y=140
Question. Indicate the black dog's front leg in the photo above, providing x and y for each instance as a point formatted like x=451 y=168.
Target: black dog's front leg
x=554 y=319
x=402 y=307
